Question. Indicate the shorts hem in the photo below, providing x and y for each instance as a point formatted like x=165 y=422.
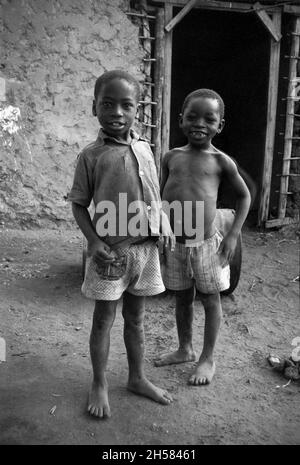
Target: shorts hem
x=217 y=291
x=146 y=292
x=179 y=288
x=90 y=295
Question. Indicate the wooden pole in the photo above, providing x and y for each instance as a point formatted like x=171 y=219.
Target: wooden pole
x=190 y=4
x=271 y=124
x=158 y=88
x=267 y=21
x=289 y=125
x=147 y=92
x=168 y=13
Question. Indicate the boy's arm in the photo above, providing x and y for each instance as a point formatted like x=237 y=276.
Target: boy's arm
x=166 y=230
x=81 y=196
x=164 y=172
x=248 y=181
x=96 y=247
x=228 y=244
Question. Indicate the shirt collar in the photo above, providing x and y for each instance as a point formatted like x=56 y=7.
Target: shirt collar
x=102 y=137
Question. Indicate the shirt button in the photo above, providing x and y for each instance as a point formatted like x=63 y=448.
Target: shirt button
x=141 y=173
x=148 y=207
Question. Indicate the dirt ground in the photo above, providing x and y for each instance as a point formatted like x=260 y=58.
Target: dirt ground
x=46 y=324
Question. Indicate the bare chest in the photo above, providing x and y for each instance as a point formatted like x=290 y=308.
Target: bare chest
x=194 y=168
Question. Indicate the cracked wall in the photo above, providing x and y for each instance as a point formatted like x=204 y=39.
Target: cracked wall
x=52 y=53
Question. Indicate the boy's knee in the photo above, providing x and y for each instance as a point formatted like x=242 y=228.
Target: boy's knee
x=104 y=314
x=133 y=319
x=210 y=299
x=133 y=308
x=185 y=297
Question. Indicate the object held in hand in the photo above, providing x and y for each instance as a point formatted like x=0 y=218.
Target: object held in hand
x=113 y=270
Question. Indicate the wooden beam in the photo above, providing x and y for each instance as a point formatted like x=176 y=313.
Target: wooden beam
x=292 y=9
x=167 y=82
x=267 y=21
x=182 y=13
x=281 y=222
x=271 y=124
x=147 y=91
x=159 y=85
x=289 y=122
x=220 y=5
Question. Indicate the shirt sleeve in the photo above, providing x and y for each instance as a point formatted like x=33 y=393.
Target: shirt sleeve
x=82 y=189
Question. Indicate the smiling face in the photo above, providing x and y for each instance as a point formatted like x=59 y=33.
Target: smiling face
x=116 y=107
x=201 y=121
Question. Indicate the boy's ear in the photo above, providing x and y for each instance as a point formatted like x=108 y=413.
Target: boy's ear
x=221 y=126
x=94 y=108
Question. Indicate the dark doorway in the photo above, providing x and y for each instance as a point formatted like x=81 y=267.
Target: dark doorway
x=227 y=52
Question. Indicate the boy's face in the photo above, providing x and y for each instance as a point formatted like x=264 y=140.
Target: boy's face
x=116 y=107
x=201 y=121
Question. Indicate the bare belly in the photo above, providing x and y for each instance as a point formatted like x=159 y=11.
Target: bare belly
x=191 y=214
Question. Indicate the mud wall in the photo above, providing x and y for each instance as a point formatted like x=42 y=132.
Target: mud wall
x=52 y=52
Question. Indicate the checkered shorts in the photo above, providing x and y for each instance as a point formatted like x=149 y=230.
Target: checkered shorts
x=198 y=265
x=142 y=276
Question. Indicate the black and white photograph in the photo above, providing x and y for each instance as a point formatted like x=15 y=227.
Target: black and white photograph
x=149 y=226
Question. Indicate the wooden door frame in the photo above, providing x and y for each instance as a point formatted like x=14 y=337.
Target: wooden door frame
x=266 y=177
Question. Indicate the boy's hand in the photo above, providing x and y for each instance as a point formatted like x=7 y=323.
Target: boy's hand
x=101 y=252
x=226 y=249
x=167 y=234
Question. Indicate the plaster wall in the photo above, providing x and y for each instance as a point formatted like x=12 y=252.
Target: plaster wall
x=52 y=51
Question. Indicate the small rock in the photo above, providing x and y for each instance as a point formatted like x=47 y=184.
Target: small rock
x=292 y=373
x=276 y=362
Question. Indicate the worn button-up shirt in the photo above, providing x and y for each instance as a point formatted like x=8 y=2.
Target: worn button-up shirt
x=121 y=180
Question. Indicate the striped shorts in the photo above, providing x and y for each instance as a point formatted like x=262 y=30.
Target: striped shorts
x=197 y=265
x=142 y=275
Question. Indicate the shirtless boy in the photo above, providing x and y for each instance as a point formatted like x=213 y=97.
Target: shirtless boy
x=193 y=173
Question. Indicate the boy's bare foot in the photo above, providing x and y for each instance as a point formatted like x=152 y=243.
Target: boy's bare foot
x=179 y=356
x=98 y=405
x=143 y=387
x=203 y=374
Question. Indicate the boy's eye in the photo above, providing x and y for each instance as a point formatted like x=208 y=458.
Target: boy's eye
x=128 y=105
x=106 y=104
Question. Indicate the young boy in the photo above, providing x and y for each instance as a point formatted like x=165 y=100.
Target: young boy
x=193 y=173
x=118 y=167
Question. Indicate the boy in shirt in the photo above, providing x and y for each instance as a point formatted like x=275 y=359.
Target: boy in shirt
x=118 y=173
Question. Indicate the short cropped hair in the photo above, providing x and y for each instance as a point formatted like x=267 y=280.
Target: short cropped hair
x=206 y=93
x=117 y=74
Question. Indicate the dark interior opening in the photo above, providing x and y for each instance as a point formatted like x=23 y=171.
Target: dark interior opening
x=228 y=52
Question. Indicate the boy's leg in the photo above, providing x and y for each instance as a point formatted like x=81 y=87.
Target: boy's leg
x=104 y=316
x=133 y=313
x=205 y=369
x=184 y=321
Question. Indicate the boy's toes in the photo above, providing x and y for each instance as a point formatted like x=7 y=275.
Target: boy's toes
x=167 y=397
x=191 y=380
x=91 y=409
x=195 y=381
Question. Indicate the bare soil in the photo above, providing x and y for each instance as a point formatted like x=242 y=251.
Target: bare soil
x=46 y=323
